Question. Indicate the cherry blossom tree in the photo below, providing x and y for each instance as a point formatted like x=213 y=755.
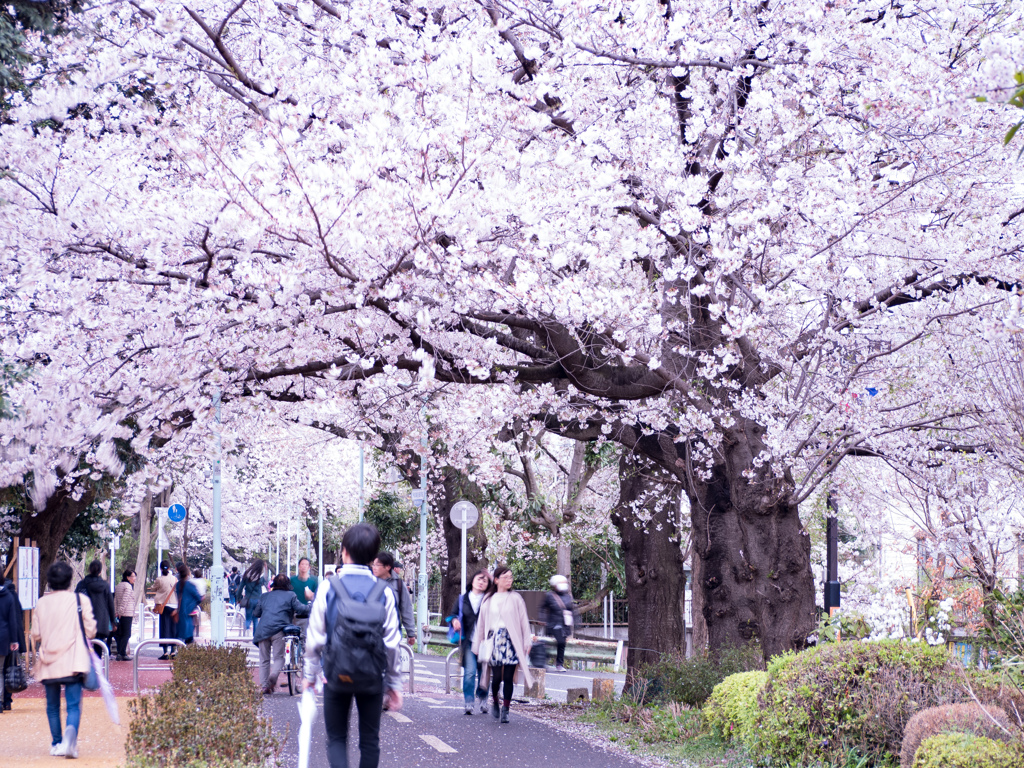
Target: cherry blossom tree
x=744 y=243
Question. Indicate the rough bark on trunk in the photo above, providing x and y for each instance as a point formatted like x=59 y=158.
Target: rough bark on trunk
x=146 y=520
x=754 y=551
x=49 y=527
x=700 y=626
x=647 y=515
x=457 y=487
x=563 y=559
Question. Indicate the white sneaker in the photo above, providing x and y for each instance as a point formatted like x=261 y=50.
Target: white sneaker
x=58 y=750
x=71 y=742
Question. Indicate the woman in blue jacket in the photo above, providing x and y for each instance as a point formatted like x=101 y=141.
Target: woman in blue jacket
x=188 y=600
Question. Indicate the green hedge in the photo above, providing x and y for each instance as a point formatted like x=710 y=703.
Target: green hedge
x=209 y=715
x=824 y=703
x=965 y=750
x=732 y=709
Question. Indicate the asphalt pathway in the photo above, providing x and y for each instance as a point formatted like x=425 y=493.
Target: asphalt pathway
x=432 y=731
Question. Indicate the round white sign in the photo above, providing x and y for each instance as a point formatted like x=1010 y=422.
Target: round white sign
x=464 y=514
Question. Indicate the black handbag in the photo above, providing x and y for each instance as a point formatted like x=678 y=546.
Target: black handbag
x=14 y=675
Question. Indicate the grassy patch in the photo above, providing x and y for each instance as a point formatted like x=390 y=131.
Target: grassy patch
x=673 y=732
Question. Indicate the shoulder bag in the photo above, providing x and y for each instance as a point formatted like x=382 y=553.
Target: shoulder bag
x=92 y=677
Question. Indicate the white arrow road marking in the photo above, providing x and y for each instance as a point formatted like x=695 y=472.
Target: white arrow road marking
x=437 y=744
x=442 y=706
x=399 y=717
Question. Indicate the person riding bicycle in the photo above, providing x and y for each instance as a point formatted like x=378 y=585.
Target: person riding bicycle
x=275 y=610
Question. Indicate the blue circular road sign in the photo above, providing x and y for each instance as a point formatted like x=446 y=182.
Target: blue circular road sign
x=176 y=512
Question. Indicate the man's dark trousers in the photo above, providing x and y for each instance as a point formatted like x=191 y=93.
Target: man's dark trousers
x=336 y=712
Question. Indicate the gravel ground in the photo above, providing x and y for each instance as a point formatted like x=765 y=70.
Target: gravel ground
x=565 y=718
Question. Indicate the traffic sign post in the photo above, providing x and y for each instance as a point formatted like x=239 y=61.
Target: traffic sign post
x=464 y=514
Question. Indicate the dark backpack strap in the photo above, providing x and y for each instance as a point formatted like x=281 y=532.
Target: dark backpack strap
x=377 y=592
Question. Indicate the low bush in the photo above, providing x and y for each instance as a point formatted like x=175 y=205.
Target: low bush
x=823 y=704
x=965 y=750
x=691 y=680
x=209 y=715
x=990 y=722
x=731 y=711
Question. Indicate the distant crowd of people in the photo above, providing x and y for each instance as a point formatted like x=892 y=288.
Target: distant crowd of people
x=351 y=624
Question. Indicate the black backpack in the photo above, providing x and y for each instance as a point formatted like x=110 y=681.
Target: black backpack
x=355 y=659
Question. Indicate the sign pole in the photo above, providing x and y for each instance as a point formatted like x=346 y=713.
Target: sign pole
x=462 y=591
x=464 y=514
x=361 y=484
x=320 y=553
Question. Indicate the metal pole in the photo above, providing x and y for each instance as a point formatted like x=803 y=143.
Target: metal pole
x=831 y=601
x=159 y=541
x=217 y=572
x=361 y=483
x=320 y=553
x=113 y=548
x=421 y=602
x=463 y=527
x=288 y=557
x=277 y=558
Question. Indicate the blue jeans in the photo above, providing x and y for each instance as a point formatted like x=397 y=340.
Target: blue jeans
x=471 y=678
x=73 y=694
x=250 y=619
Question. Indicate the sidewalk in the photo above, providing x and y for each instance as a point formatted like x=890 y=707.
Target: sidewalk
x=25 y=734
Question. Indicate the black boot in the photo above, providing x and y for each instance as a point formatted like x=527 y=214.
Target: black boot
x=504 y=714
x=494 y=709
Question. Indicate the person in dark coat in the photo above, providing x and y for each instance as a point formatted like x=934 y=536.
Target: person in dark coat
x=12 y=635
x=275 y=610
x=558 y=612
x=97 y=589
x=188 y=600
x=467 y=611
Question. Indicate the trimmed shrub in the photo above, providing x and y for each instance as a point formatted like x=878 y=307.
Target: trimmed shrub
x=691 y=680
x=952 y=718
x=965 y=750
x=732 y=710
x=823 y=703
x=209 y=715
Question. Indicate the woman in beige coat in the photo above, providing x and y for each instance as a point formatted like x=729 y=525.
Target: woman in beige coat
x=502 y=639
x=63 y=654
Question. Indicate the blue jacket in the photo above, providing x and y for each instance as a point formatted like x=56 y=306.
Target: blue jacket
x=188 y=601
x=275 y=610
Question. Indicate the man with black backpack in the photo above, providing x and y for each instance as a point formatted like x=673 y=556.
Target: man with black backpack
x=353 y=632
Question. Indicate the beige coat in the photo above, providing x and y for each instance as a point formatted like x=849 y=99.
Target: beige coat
x=58 y=635
x=124 y=600
x=518 y=625
x=164 y=589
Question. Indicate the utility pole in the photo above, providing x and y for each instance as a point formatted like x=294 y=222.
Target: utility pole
x=361 y=486
x=421 y=598
x=320 y=554
x=217 y=572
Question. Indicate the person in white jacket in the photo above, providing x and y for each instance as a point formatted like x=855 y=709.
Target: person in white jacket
x=358 y=549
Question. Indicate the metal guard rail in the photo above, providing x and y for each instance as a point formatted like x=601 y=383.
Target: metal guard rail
x=412 y=666
x=575 y=650
x=136 y=667
x=104 y=655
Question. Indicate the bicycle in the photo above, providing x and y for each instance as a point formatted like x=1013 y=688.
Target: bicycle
x=293 y=650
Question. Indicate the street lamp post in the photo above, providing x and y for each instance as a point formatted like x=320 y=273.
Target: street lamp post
x=217 y=572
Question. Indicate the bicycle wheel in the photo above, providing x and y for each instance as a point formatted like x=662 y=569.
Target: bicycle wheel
x=294 y=679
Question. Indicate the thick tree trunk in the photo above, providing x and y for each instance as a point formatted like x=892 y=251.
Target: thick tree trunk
x=457 y=487
x=563 y=559
x=147 y=518
x=699 y=636
x=647 y=515
x=754 y=553
x=49 y=527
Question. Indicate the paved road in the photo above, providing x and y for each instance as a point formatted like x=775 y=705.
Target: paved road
x=432 y=731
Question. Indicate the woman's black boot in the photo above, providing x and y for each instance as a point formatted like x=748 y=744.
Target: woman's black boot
x=504 y=714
